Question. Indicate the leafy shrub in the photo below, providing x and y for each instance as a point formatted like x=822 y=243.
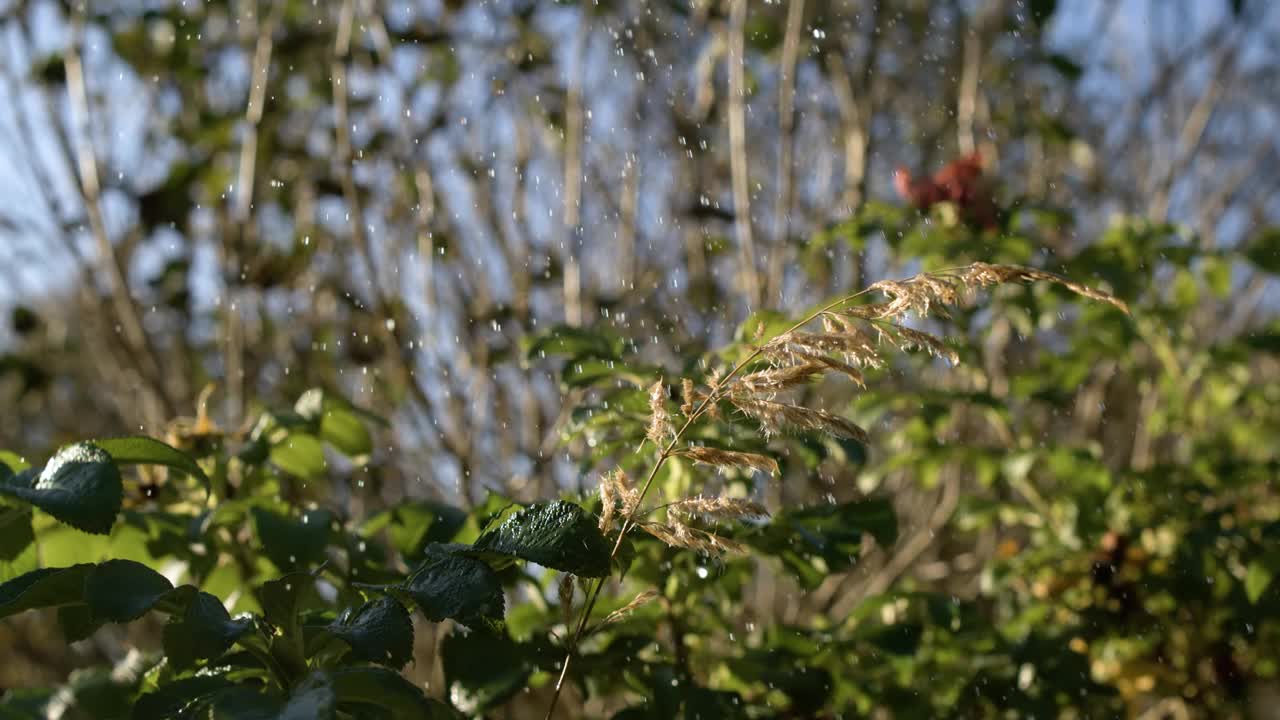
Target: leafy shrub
x=325 y=623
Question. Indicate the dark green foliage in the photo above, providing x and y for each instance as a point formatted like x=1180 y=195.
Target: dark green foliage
x=203 y=631
x=46 y=587
x=283 y=606
x=149 y=451
x=292 y=543
x=558 y=535
x=379 y=631
x=80 y=486
x=123 y=590
x=449 y=584
x=814 y=542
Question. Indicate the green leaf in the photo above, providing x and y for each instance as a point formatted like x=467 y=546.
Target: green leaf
x=124 y=590
x=77 y=622
x=380 y=631
x=1256 y=580
x=411 y=526
x=566 y=340
x=203 y=631
x=312 y=699
x=558 y=535
x=46 y=587
x=816 y=541
x=343 y=430
x=1264 y=250
x=897 y=639
x=358 y=688
x=282 y=598
x=448 y=585
x=142 y=450
x=171 y=699
x=12 y=462
x=291 y=544
x=80 y=486
x=300 y=455
x=16 y=534
x=762 y=326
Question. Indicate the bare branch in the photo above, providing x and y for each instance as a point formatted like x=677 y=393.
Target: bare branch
x=738 y=152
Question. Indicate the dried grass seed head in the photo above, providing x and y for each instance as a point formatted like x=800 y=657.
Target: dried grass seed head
x=719 y=508
x=775 y=417
x=661 y=430
x=730 y=459
x=622 y=612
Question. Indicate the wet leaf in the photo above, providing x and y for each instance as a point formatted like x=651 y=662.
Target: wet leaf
x=359 y=688
x=380 y=631
x=80 y=486
x=46 y=587
x=203 y=631
x=448 y=585
x=558 y=535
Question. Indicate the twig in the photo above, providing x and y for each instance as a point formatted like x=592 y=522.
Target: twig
x=856 y=112
x=967 y=95
x=573 y=141
x=149 y=366
x=906 y=555
x=738 y=152
x=786 y=146
x=242 y=210
x=1192 y=133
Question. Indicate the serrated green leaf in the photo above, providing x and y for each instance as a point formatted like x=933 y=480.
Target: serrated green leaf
x=380 y=631
x=43 y=588
x=448 y=585
x=292 y=544
x=300 y=455
x=143 y=450
x=358 y=688
x=203 y=631
x=558 y=535
x=312 y=699
x=124 y=590
x=80 y=486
